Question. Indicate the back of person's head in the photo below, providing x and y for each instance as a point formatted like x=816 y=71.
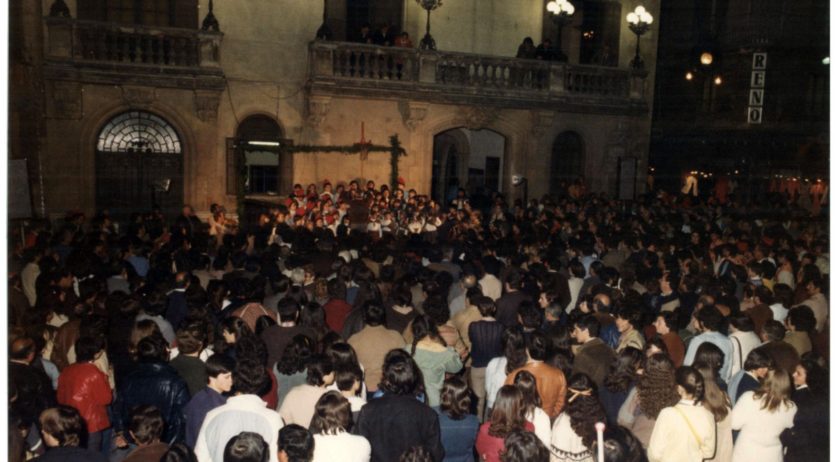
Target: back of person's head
x=588 y=322
x=288 y=309
x=530 y=315
x=538 y=345
x=508 y=412
x=346 y=376
x=319 y=367
x=219 y=364
x=710 y=356
x=22 y=348
x=336 y=289
x=523 y=446
x=146 y=424
x=86 y=348
x=455 y=398
x=526 y=383
x=774 y=331
x=710 y=318
x=296 y=442
x=178 y=452
x=374 y=314
x=757 y=359
x=486 y=306
x=692 y=382
x=63 y=423
x=152 y=349
x=583 y=407
x=742 y=323
x=775 y=390
x=401 y=375
x=416 y=454
x=250 y=376
x=473 y=293
x=296 y=355
x=620 y=445
x=190 y=339
x=332 y=415
x=802 y=318
x=783 y=294
x=246 y=447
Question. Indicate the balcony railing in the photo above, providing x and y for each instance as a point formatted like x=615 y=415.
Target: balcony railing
x=157 y=47
x=368 y=69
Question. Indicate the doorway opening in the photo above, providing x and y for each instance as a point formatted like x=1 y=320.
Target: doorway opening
x=472 y=160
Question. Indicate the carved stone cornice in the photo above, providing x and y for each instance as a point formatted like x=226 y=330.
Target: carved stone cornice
x=65 y=100
x=138 y=96
x=413 y=113
x=206 y=104
x=477 y=117
x=317 y=109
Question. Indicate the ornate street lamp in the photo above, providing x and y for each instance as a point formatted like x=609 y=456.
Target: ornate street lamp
x=427 y=42
x=639 y=21
x=324 y=32
x=561 y=13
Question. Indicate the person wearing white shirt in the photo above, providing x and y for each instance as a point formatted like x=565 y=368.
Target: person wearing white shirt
x=330 y=428
x=245 y=411
x=575 y=283
x=491 y=286
x=685 y=432
x=761 y=416
x=743 y=339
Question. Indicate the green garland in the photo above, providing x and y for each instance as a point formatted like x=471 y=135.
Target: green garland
x=394 y=149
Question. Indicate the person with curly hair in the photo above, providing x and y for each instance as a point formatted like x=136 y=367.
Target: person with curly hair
x=573 y=432
x=686 y=431
x=656 y=389
x=508 y=416
x=623 y=375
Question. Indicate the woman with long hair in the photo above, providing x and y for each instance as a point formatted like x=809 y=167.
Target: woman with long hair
x=344 y=356
x=534 y=413
x=433 y=356
x=623 y=375
x=508 y=416
x=709 y=356
x=719 y=404
x=656 y=389
x=761 y=416
x=458 y=425
x=515 y=356
x=574 y=432
x=331 y=427
x=809 y=438
x=684 y=432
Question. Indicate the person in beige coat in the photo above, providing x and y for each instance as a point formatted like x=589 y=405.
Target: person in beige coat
x=373 y=342
x=685 y=432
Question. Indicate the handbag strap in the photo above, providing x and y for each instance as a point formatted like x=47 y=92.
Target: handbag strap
x=689 y=425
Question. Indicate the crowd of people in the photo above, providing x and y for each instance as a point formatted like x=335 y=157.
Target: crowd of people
x=364 y=324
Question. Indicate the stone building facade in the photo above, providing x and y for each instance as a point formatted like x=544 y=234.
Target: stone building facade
x=108 y=103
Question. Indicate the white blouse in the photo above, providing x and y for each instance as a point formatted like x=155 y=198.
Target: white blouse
x=342 y=447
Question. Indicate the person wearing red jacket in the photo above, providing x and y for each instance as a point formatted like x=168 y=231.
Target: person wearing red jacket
x=84 y=387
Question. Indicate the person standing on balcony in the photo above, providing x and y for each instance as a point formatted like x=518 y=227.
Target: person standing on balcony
x=526 y=50
x=384 y=36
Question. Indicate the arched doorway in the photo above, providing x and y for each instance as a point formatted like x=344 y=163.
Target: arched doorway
x=566 y=162
x=258 y=161
x=139 y=164
x=469 y=159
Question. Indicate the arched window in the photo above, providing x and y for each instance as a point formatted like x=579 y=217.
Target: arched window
x=137 y=131
x=254 y=157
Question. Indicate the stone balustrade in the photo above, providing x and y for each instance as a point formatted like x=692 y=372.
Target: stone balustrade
x=369 y=70
x=158 y=47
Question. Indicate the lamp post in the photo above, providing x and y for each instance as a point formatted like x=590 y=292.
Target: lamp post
x=561 y=13
x=427 y=42
x=324 y=32
x=210 y=21
x=639 y=21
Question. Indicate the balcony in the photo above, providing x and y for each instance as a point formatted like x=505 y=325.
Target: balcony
x=339 y=68
x=111 y=51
